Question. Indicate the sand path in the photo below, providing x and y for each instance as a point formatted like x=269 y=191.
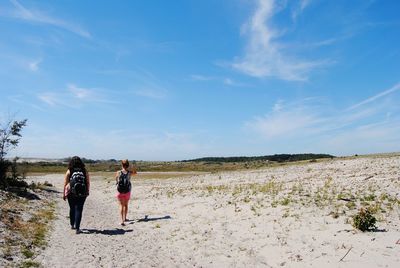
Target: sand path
x=224 y=220
x=104 y=243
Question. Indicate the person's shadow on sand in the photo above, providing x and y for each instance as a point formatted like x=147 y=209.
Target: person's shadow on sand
x=116 y=231
x=147 y=219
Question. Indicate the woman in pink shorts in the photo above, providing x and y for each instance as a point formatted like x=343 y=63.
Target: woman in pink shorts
x=123 y=181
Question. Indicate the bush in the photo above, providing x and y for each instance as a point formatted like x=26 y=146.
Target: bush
x=10 y=134
x=16 y=182
x=364 y=220
x=4 y=165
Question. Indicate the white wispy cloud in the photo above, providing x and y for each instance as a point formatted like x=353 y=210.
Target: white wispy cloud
x=73 y=96
x=300 y=8
x=151 y=93
x=11 y=60
x=146 y=83
x=308 y=117
x=358 y=128
x=229 y=81
x=34 y=65
x=49 y=98
x=326 y=42
x=264 y=55
x=19 y=99
x=198 y=77
x=224 y=80
x=233 y=83
x=285 y=120
x=376 y=97
x=81 y=93
x=364 y=139
x=22 y=13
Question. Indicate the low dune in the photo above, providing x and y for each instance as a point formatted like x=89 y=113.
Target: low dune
x=296 y=215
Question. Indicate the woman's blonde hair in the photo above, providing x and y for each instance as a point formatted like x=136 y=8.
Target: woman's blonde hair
x=125 y=163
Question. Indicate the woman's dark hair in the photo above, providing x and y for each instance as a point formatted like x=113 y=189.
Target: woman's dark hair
x=76 y=163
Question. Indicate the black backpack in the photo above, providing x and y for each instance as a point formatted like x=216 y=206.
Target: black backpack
x=124 y=184
x=77 y=182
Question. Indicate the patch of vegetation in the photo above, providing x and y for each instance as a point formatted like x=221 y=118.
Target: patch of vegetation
x=369 y=197
x=297 y=189
x=351 y=205
x=27 y=252
x=285 y=201
x=376 y=208
x=246 y=199
x=286 y=214
x=24 y=237
x=29 y=263
x=334 y=214
x=364 y=220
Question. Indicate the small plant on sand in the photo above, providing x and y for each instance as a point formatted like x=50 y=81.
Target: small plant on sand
x=370 y=197
x=170 y=194
x=337 y=211
x=270 y=187
x=376 y=208
x=351 y=205
x=29 y=263
x=328 y=182
x=364 y=220
x=285 y=201
x=335 y=214
x=246 y=199
x=297 y=189
x=286 y=214
x=27 y=252
x=209 y=189
x=384 y=196
x=318 y=199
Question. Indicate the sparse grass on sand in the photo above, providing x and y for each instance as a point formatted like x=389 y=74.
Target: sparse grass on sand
x=25 y=222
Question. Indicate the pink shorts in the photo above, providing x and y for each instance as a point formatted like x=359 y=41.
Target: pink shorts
x=125 y=196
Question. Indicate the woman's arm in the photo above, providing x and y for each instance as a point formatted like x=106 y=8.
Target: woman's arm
x=88 y=182
x=66 y=181
x=116 y=177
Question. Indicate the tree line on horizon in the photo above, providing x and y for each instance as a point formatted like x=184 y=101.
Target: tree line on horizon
x=275 y=158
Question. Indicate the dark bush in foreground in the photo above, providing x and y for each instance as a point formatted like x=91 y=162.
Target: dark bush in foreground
x=364 y=220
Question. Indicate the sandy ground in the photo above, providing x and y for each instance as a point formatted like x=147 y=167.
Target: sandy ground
x=289 y=216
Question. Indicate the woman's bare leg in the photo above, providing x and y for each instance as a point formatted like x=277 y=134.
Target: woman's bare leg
x=121 y=209
x=125 y=204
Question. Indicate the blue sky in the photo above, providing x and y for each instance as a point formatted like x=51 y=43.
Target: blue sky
x=171 y=80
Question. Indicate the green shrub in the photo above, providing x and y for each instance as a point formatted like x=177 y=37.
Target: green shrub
x=364 y=220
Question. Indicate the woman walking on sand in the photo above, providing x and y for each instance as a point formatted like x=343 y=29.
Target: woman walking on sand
x=123 y=181
x=76 y=189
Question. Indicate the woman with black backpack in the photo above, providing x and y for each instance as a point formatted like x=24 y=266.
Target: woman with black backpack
x=76 y=189
x=123 y=181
